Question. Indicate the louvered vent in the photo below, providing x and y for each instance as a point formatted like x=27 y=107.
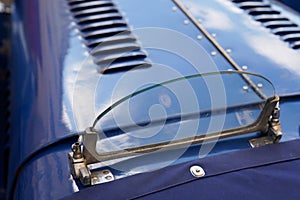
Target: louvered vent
x=270 y=18
x=107 y=35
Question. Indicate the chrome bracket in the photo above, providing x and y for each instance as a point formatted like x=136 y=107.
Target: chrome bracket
x=273 y=133
x=81 y=171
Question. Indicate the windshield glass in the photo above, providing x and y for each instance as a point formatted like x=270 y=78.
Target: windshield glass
x=181 y=109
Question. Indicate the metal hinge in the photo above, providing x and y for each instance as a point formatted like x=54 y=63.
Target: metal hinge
x=5 y=6
x=273 y=133
x=81 y=171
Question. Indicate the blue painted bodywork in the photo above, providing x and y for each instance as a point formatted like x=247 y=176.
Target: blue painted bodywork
x=4 y=92
x=292 y=4
x=46 y=62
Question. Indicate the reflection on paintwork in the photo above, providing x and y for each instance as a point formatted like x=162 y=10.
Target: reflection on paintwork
x=133 y=121
x=248 y=39
x=267 y=46
x=213 y=17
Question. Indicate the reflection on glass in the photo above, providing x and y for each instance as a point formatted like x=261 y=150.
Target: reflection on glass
x=183 y=108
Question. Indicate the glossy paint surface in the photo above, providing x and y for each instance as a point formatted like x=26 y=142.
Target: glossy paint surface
x=54 y=82
x=250 y=43
x=40 y=44
x=4 y=45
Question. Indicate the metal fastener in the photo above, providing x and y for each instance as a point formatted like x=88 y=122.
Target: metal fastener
x=186 y=22
x=213 y=53
x=244 y=67
x=197 y=171
x=228 y=50
x=199 y=37
x=245 y=87
x=259 y=85
x=174 y=8
x=76 y=149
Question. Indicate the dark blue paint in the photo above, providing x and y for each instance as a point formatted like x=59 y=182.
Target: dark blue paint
x=45 y=59
x=250 y=174
x=292 y=3
x=4 y=92
x=252 y=44
x=40 y=45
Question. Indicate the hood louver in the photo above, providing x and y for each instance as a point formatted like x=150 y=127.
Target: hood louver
x=270 y=18
x=107 y=35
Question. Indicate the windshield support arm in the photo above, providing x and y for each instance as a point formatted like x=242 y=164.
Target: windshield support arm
x=84 y=151
x=273 y=133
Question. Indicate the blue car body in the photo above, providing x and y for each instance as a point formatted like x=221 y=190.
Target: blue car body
x=54 y=94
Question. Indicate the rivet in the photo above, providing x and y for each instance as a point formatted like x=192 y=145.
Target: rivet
x=245 y=87
x=186 y=22
x=95 y=179
x=86 y=53
x=213 y=53
x=259 y=85
x=197 y=171
x=174 y=8
x=108 y=177
x=73 y=24
x=214 y=35
x=199 y=37
x=228 y=50
x=199 y=20
x=244 y=67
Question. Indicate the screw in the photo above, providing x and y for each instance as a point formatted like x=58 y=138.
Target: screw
x=76 y=148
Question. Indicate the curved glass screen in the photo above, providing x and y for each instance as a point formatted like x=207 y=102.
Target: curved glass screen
x=181 y=109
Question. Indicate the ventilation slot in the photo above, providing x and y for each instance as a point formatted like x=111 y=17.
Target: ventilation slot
x=286 y=30
x=241 y=1
x=251 y=5
x=107 y=35
x=270 y=18
x=291 y=37
x=295 y=45
x=278 y=24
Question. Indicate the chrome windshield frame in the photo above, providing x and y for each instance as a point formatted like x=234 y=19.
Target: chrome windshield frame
x=90 y=138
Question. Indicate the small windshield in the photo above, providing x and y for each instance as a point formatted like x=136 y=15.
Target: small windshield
x=182 y=108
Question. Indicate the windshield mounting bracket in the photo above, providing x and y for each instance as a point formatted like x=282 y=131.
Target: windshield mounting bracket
x=80 y=170
x=273 y=133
